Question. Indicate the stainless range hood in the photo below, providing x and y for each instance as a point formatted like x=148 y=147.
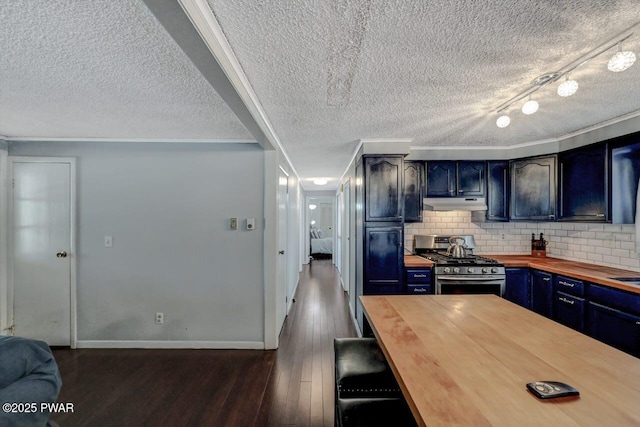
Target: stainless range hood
x=455 y=204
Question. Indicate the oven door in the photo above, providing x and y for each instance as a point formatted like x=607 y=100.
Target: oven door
x=448 y=285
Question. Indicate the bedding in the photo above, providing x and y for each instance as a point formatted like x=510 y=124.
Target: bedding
x=319 y=243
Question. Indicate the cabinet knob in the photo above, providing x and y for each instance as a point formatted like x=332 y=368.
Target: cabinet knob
x=62 y=254
x=281 y=252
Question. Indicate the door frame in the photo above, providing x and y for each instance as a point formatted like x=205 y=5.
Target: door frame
x=72 y=237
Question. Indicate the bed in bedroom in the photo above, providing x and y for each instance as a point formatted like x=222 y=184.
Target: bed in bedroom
x=321 y=245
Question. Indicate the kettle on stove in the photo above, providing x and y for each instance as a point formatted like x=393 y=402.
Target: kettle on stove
x=457 y=250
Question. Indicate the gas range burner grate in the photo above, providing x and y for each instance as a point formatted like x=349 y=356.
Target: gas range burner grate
x=441 y=259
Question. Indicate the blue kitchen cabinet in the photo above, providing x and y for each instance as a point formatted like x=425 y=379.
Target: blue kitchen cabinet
x=383 y=188
x=413 y=191
x=533 y=189
x=518 y=286
x=569 y=302
x=625 y=173
x=497 y=190
x=583 y=184
x=541 y=292
x=613 y=317
x=418 y=280
x=455 y=179
x=384 y=260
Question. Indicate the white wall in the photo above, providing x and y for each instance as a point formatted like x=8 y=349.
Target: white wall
x=610 y=245
x=167 y=207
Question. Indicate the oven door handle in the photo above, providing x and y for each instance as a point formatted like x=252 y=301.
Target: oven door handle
x=470 y=279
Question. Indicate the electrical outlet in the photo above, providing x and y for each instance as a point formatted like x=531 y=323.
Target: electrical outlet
x=502 y=236
x=108 y=241
x=233 y=223
x=159 y=318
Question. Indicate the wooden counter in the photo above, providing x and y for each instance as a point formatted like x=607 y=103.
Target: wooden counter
x=464 y=360
x=416 y=261
x=579 y=270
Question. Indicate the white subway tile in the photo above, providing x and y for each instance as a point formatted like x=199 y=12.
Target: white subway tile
x=594 y=257
x=567 y=226
x=622 y=253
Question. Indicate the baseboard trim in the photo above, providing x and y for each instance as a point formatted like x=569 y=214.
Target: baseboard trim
x=218 y=345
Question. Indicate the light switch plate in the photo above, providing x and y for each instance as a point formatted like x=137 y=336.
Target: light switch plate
x=108 y=241
x=233 y=223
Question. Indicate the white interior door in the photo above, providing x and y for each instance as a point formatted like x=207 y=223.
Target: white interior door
x=283 y=211
x=41 y=249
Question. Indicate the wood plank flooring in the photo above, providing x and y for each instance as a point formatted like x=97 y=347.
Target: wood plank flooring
x=292 y=386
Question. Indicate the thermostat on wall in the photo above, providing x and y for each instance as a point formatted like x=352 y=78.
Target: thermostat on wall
x=251 y=223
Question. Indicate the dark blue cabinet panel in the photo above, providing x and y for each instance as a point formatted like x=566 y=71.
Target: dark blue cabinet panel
x=533 y=189
x=413 y=191
x=384 y=258
x=614 y=327
x=441 y=179
x=569 y=310
x=383 y=188
x=569 y=285
x=518 y=287
x=541 y=292
x=625 y=172
x=470 y=178
x=582 y=186
x=498 y=191
x=418 y=280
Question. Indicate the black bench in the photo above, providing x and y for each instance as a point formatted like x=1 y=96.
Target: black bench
x=367 y=393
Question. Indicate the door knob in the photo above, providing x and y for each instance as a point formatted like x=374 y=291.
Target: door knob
x=62 y=254
x=281 y=252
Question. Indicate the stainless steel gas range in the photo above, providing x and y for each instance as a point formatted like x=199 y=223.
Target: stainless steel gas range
x=459 y=271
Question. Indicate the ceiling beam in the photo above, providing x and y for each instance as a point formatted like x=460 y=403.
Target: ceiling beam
x=173 y=18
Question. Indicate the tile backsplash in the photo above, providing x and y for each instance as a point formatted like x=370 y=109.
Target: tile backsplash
x=611 y=245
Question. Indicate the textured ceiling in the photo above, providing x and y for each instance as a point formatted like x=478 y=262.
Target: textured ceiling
x=101 y=69
x=331 y=72
x=326 y=73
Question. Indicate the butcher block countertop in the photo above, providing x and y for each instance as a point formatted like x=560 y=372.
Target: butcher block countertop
x=578 y=270
x=465 y=360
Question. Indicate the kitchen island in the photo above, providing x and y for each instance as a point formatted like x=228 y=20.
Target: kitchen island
x=465 y=360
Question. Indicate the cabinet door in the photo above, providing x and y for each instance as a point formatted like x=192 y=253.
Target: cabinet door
x=582 y=186
x=625 y=173
x=533 y=189
x=384 y=260
x=498 y=191
x=470 y=178
x=541 y=292
x=413 y=193
x=569 y=310
x=614 y=327
x=383 y=188
x=441 y=179
x=518 y=286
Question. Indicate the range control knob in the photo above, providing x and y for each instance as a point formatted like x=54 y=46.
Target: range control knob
x=485 y=270
x=456 y=270
x=470 y=269
x=447 y=270
x=494 y=270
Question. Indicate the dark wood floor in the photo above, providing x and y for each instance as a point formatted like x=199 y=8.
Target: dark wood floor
x=292 y=386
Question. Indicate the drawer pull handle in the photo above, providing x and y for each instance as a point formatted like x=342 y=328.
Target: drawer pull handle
x=568 y=301
x=420 y=290
x=419 y=275
x=571 y=285
x=546 y=279
x=637 y=323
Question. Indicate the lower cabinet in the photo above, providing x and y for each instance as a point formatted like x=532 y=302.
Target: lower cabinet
x=613 y=317
x=518 y=286
x=568 y=302
x=383 y=260
x=541 y=293
x=418 y=281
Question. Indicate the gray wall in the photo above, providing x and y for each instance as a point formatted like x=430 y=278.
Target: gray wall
x=167 y=207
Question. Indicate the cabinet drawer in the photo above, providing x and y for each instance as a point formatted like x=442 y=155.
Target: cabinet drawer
x=614 y=327
x=569 y=286
x=419 y=289
x=611 y=297
x=419 y=276
x=569 y=310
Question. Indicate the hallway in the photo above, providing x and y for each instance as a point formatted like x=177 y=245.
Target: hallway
x=292 y=386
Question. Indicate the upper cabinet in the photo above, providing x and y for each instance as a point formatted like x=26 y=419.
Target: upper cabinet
x=582 y=184
x=455 y=179
x=625 y=173
x=498 y=190
x=383 y=188
x=533 y=189
x=413 y=191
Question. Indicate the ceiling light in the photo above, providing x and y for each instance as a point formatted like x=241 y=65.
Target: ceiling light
x=530 y=107
x=320 y=181
x=621 y=60
x=503 y=121
x=568 y=87
x=312 y=206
